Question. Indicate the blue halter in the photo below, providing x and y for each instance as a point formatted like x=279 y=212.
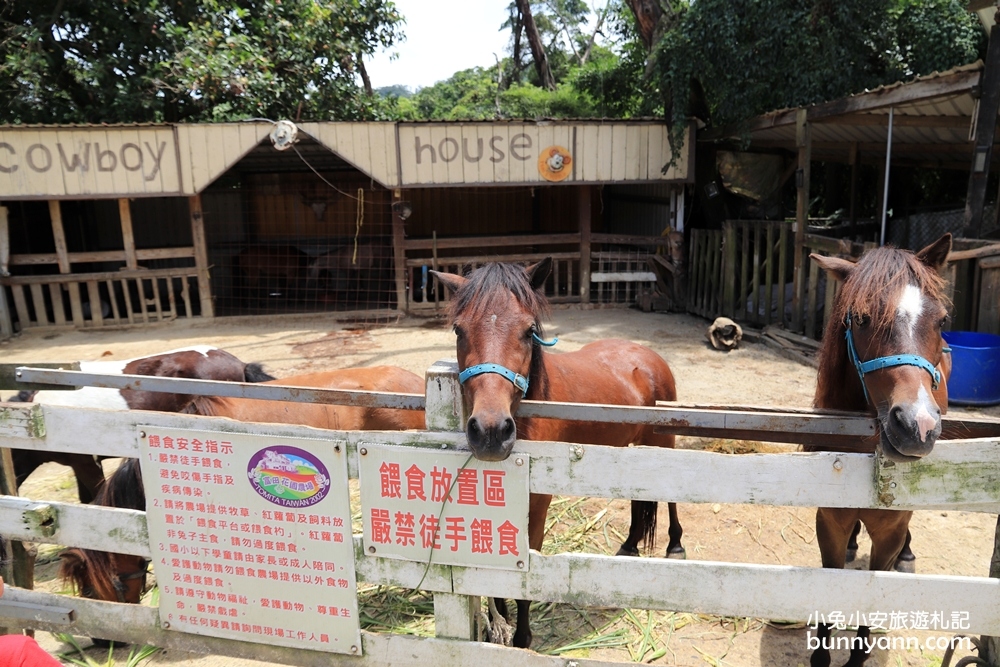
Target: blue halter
x=516 y=379
x=878 y=364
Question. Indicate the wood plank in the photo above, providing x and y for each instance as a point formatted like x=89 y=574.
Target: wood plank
x=803 y=139
x=755 y=276
x=114 y=301
x=812 y=299
x=934 y=478
x=974 y=253
x=141 y=284
x=96 y=316
x=100 y=528
x=769 y=273
x=130 y=313
x=170 y=299
x=200 y=247
x=585 y=222
x=58 y=307
x=157 y=300
x=492 y=241
x=104 y=275
x=75 y=304
x=741 y=308
x=21 y=307
x=619 y=136
x=186 y=297
x=623 y=277
x=38 y=300
x=55 y=215
x=782 y=271
x=399 y=254
x=128 y=238
x=6 y=321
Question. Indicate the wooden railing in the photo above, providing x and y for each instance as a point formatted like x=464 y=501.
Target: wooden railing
x=137 y=296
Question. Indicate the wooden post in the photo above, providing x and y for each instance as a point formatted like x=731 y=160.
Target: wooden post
x=62 y=258
x=803 y=140
x=990 y=651
x=399 y=253
x=128 y=240
x=729 y=270
x=585 y=221
x=982 y=152
x=454 y=615
x=6 y=321
x=201 y=256
x=18 y=568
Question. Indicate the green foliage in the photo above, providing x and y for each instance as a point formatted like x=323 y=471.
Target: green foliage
x=65 y=61
x=754 y=56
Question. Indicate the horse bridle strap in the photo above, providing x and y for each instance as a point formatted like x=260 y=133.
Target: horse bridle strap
x=516 y=379
x=864 y=367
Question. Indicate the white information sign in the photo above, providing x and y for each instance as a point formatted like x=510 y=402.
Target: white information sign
x=251 y=537
x=421 y=504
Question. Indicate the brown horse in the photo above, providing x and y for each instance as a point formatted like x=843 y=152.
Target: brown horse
x=882 y=353
x=496 y=311
x=202 y=362
x=120 y=577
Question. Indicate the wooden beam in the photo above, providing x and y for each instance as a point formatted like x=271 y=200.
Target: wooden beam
x=491 y=241
x=100 y=256
x=399 y=254
x=6 y=321
x=62 y=259
x=585 y=220
x=882 y=120
x=201 y=256
x=128 y=239
x=987 y=109
x=803 y=139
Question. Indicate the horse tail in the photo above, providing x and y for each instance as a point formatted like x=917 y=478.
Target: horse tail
x=645 y=511
x=92 y=573
x=256 y=373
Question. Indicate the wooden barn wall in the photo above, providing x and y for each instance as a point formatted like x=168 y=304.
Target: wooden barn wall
x=492 y=211
x=288 y=206
x=641 y=210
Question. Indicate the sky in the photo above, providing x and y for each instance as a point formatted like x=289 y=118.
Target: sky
x=442 y=37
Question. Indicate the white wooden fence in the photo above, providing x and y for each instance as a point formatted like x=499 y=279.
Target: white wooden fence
x=959 y=475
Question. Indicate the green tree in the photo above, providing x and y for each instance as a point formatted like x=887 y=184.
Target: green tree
x=64 y=61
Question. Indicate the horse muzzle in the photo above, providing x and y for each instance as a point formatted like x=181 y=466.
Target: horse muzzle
x=909 y=431
x=491 y=439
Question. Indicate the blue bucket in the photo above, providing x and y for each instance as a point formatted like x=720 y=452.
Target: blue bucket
x=975 y=372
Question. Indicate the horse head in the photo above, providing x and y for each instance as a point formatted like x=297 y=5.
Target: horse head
x=496 y=312
x=883 y=350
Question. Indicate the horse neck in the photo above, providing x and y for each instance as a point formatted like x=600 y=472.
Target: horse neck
x=838 y=386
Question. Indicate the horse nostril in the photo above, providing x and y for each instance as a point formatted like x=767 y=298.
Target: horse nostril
x=474 y=431
x=508 y=430
x=898 y=415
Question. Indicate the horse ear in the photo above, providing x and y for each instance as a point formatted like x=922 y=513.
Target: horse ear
x=838 y=268
x=936 y=254
x=452 y=281
x=539 y=273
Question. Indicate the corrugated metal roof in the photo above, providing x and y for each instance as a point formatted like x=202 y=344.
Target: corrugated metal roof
x=932 y=120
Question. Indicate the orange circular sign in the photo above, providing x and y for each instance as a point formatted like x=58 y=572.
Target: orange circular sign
x=555 y=163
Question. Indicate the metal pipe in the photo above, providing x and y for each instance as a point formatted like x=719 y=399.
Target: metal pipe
x=885 y=186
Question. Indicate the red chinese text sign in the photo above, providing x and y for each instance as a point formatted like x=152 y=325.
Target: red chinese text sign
x=251 y=537
x=421 y=504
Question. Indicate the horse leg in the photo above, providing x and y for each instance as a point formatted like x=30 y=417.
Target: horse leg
x=833 y=531
x=89 y=476
x=674 y=547
x=888 y=531
x=906 y=561
x=643 y=523
x=648 y=436
x=852 y=543
x=538 y=509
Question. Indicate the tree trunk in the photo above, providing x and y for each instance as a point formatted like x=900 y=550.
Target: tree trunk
x=537 y=48
x=647 y=14
x=364 y=76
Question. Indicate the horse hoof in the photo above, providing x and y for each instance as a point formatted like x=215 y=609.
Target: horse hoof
x=908 y=566
x=851 y=555
x=677 y=553
x=819 y=658
x=628 y=551
x=522 y=640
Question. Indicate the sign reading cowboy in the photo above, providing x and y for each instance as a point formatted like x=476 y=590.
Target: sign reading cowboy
x=91 y=161
x=446 y=507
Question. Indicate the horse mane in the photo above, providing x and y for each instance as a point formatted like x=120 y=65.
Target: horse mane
x=871 y=290
x=254 y=372
x=490 y=284
x=87 y=569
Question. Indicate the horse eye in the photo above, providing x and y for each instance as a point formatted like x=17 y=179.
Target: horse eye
x=530 y=332
x=458 y=332
x=944 y=322
x=863 y=321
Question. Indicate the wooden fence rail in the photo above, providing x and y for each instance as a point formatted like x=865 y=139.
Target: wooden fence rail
x=958 y=475
x=136 y=296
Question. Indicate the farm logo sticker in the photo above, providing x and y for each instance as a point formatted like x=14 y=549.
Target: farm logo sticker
x=288 y=476
x=554 y=163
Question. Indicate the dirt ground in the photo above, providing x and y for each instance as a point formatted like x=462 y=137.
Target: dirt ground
x=956 y=543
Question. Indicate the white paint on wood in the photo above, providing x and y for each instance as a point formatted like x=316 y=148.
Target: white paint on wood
x=100 y=528
x=623 y=277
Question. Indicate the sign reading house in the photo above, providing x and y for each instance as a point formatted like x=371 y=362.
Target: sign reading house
x=89 y=162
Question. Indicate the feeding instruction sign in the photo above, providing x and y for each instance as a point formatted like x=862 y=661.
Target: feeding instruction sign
x=251 y=537
x=420 y=504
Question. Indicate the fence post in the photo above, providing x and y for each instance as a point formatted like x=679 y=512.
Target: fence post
x=990 y=651
x=454 y=615
x=729 y=270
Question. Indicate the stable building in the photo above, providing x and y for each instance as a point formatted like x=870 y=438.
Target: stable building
x=133 y=224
